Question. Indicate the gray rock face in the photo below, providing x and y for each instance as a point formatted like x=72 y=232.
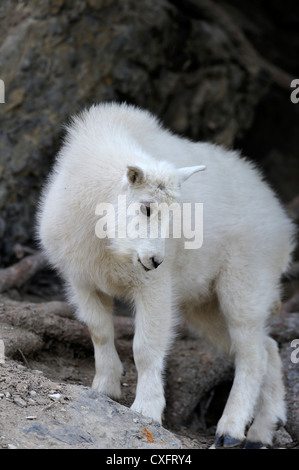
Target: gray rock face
x=59 y=57
x=37 y=413
x=94 y=421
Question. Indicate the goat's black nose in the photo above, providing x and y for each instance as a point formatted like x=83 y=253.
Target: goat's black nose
x=155 y=262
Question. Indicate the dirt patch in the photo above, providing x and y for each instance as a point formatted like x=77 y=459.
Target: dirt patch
x=25 y=396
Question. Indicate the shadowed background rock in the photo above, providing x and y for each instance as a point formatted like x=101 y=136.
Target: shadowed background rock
x=189 y=62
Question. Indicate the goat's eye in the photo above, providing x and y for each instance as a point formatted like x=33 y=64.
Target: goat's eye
x=146 y=210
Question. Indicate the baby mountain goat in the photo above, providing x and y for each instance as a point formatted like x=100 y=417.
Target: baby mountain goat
x=118 y=157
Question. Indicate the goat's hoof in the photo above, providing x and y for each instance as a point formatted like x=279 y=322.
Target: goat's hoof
x=253 y=445
x=280 y=423
x=226 y=441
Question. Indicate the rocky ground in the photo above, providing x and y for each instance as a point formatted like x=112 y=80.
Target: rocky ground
x=38 y=413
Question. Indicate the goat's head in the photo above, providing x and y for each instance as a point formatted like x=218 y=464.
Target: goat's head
x=149 y=194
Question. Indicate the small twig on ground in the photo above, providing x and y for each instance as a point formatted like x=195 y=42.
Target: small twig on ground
x=24 y=359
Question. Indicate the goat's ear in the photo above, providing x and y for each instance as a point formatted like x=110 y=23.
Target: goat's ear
x=186 y=172
x=135 y=174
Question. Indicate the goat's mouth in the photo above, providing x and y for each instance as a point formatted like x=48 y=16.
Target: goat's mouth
x=144 y=267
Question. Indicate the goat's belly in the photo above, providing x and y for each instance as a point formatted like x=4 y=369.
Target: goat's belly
x=207 y=319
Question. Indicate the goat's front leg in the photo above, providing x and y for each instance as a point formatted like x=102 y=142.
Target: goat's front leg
x=153 y=333
x=96 y=310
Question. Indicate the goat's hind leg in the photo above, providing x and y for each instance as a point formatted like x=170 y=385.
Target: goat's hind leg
x=250 y=363
x=245 y=306
x=270 y=410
